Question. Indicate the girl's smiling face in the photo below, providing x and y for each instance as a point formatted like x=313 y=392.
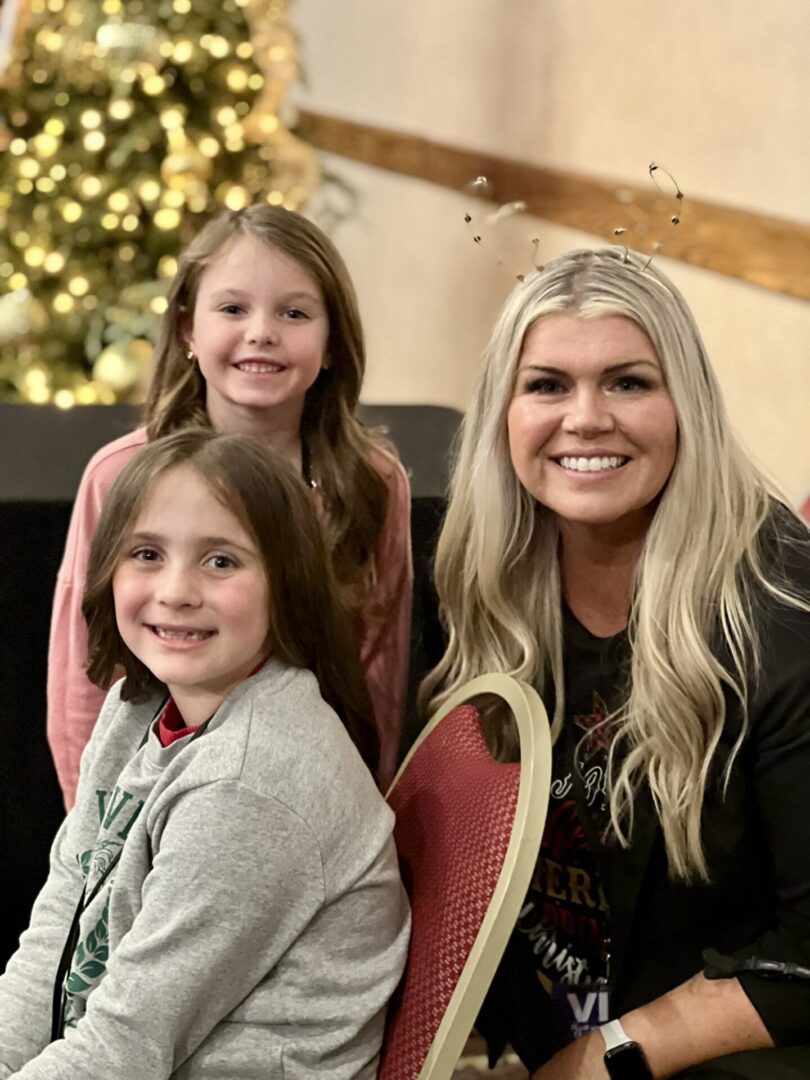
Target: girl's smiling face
x=592 y=429
x=259 y=331
x=191 y=594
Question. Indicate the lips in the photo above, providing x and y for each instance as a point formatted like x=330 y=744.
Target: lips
x=592 y=463
x=181 y=633
x=257 y=366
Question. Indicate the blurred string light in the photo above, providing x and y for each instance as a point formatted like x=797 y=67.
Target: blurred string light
x=124 y=126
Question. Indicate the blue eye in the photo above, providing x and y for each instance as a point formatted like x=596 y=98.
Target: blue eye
x=296 y=314
x=629 y=384
x=231 y=309
x=544 y=385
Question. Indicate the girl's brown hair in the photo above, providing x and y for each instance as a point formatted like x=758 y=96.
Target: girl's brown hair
x=309 y=626
x=339 y=446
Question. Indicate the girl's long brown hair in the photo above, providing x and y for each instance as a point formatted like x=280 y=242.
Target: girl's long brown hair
x=309 y=625
x=340 y=447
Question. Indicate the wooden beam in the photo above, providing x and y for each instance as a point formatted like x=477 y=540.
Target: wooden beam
x=763 y=250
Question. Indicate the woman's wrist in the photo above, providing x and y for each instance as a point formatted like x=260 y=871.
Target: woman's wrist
x=582 y=1059
x=624 y=1058
x=697 y=1021
x=660 y=1030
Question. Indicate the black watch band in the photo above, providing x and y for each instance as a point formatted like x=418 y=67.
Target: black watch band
x=624 y=1059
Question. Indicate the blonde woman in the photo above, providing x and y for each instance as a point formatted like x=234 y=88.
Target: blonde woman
x=608 y=541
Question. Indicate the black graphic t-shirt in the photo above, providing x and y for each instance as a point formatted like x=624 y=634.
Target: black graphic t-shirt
x=564 y=919
x=755 y=839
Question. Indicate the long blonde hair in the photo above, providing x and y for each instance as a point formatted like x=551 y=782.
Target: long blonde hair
x=692 y=631
x=341 y=448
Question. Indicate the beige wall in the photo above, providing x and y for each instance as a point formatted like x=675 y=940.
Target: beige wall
x=717 y=92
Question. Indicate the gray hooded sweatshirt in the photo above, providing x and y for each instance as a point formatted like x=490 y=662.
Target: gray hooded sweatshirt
x=254 y=925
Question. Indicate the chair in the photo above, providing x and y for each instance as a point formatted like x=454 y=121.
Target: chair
x=468 y=834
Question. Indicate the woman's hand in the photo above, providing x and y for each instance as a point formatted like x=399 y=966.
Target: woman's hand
x=697 y=1021
x=581 y=1060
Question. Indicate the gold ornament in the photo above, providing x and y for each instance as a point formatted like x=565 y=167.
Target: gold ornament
x=131 y=42
x=185 y=164
x=275 y=52
x=295 y=169
x=125 y=368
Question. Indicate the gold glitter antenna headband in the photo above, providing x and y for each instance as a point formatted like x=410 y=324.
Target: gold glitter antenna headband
x=482 y=188
x=481 y=230
x=675 y=217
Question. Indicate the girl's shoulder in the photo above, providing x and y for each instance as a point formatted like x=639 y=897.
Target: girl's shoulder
x=115 y=738
x=98 y=477
x=293 y=714
x=285 y=742
x=388 y=465
x=104 y=466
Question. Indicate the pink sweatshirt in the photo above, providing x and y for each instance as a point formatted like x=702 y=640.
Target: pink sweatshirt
x=73 y=701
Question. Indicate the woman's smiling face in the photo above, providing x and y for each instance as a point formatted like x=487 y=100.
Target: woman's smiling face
x=592 y=429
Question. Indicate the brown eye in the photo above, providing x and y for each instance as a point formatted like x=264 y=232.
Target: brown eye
x=221 y=562
x=145 y=555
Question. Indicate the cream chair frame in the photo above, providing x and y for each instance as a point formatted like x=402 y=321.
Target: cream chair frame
x=518 y=865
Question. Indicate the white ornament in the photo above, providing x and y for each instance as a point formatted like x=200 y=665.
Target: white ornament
x=9 y=12
x=15 y=315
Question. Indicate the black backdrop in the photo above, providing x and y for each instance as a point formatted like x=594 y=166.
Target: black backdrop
x=30 y=800
x=42 y=454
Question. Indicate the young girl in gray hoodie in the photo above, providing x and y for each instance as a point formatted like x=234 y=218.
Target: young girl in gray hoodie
x=224 y=898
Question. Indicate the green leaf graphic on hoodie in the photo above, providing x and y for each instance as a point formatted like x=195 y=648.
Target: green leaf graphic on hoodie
x=87 y=968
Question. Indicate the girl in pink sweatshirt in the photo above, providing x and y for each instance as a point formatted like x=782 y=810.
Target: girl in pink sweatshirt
x=262 y=336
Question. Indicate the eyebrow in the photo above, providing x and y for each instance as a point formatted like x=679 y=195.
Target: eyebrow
x=222 y=294
x=548 y=369
x=203 y=541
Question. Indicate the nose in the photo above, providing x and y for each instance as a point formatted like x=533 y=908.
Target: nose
x=589 y=414
x=260 y=330
x=177 y=587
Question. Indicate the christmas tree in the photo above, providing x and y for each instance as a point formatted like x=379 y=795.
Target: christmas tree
x=124 y=126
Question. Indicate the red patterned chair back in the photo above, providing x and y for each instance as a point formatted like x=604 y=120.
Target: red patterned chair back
x=468 y=833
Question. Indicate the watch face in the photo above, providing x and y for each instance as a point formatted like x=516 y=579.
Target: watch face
x=627 y=1062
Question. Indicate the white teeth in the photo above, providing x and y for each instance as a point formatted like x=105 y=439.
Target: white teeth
x=182 y=635
x=255 y=367
x=594 y=464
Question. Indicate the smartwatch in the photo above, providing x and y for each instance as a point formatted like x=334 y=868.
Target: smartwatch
x=624 y=1059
